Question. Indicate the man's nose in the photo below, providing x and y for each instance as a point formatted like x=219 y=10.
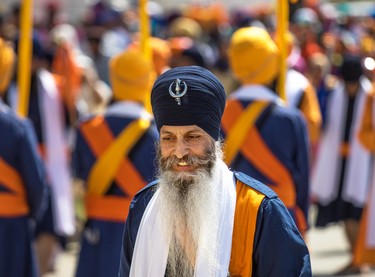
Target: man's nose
x=181 y=149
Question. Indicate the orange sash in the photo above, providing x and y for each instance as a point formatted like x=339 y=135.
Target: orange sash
x=110 y=207
x=99 y=136
x=257 y=152
x=15 y=202
x=238 y=130
x=362 y=253
x=241 y=261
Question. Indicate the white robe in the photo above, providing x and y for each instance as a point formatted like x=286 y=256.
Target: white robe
x=325 y=174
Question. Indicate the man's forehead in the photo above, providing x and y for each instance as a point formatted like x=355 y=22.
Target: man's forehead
x=181 y=129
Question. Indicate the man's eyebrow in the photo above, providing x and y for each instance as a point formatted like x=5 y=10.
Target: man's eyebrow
x=194 y=131
x=165 y=132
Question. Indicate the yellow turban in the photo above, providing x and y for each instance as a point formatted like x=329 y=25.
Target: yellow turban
x=131 y=76
x=253 y=56
x=7 y=58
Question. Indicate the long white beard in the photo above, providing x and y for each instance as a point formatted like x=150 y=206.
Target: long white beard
x=190 y=217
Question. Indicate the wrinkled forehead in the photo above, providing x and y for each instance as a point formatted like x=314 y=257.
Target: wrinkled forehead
x=182 y=129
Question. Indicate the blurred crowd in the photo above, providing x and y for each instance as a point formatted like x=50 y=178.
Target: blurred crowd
x=329 y=50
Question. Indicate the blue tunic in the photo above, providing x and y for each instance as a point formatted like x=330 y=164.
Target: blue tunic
x=101 y=239
x=18 y=149
x=278 y=248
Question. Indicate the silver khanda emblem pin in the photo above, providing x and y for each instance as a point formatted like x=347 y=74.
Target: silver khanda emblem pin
x=178 y=94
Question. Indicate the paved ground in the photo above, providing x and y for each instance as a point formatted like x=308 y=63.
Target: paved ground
x=328 y=248
x=329 y=251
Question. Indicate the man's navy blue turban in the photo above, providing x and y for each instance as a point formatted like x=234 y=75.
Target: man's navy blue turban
x=189 y=95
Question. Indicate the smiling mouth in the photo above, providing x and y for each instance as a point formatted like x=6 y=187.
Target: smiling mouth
x=183 y=166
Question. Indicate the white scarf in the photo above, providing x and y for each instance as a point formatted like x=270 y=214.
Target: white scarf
x=371 y=214
x=56 y=161
x=324 y=185
x=370 y=238
x=151 y=247
x=296 y=85
x=128 y=109
x=3 y=107
x=256 y=93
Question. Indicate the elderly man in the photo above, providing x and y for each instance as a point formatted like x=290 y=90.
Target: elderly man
x=199 y=218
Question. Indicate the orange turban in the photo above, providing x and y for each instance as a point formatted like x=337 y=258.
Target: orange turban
x=161 y=53
x=253 y=56
x=7 y=58
x=131 y=76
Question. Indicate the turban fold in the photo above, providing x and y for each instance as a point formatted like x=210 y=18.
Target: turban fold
x=253 y=56
x=201 y=101
x=7 y=58
x=131 y=76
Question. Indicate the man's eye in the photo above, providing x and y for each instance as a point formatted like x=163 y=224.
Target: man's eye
x=193 y=137
x=166 y=138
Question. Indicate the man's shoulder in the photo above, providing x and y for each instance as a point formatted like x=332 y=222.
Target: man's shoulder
x=145 y=193
x=12 y=123
x=255 y=184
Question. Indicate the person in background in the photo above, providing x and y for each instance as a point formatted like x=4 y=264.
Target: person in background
x=306 y=26
x=23 y=187
x=364 y=253
x=46 y=112
x=318 y=73
x=114 y=156
x=94 y=36
x=341 y=175
x=161 y=54
x=300 y=93
x=192 y=49
x=265 y=138
x=185 y=52
x=295 y=59
x=199 y=218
